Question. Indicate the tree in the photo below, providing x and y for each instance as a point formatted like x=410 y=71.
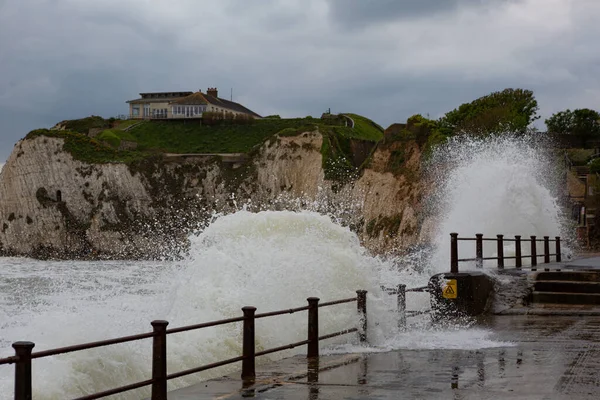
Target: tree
x=583 y=124
x=511 y=110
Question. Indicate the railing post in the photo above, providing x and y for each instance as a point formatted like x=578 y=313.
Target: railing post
x=248 y=345
x=518 y=260
x=159 y=360
x=313 y=327
x=558 y=255
x=546 y=249
x=533 y=253
x=23 y=370
x=500 y=240
x=454 y=253
x=361 y=305
x=401 y=306
x=479 y=250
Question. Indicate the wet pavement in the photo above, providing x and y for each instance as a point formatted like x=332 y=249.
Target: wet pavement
x=555 y=357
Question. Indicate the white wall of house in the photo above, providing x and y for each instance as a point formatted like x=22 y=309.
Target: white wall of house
x=167 y=110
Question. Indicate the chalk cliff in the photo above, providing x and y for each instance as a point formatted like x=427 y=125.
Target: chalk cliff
x=52 y=205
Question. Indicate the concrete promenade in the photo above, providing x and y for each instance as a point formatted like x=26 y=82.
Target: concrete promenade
x=547 y=358
x=551 y=355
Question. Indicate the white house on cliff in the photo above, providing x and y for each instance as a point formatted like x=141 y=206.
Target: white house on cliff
x=184 y=105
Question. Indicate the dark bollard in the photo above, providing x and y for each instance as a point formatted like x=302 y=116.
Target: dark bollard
x=248 y=345
x=401 y=306
x=23 y=370
x=479 y=250
x=518 y=260
x=558 y=256
x=159 y=360
x=361 y=305
x=500 y=248
x=533 y=253
x=313 y=327
x=546 y=249
x=454 y=253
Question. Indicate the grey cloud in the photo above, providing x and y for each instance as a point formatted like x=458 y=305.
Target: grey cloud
x=361 y=13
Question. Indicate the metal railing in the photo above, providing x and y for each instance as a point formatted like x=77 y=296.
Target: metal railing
x=400 y=291
x=500 y=239
x=23 y=350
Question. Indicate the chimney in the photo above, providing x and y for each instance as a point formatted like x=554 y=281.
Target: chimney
x=212 y=92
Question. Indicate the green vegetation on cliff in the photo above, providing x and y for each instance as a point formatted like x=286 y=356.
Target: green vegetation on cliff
x=511 y=110
x=192 y=137
x=148 y=138
x=365 y=129
x=87 y=149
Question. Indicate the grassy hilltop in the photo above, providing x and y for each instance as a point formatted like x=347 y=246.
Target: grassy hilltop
x=113 y=143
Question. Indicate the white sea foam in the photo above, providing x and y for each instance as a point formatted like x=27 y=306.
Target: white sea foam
x=500 y=185
x=271 y=260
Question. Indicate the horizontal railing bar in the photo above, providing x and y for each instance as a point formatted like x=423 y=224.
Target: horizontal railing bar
x=466 y=238
x=340 y=333
x=204 y=325
x=9 y=360
x=483 y=258
x=116 y=390
x=331 y=303
x=204 y=367
x=281 y=312
x=418 y=289
x=280 y=348
x=505 y=239
x=91 y=345
x=506 y=258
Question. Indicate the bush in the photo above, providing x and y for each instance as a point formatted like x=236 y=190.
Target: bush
x=595 y=166
x=110 y=137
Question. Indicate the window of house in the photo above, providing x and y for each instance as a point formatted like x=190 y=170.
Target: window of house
x=178 y=109
x=135 y=110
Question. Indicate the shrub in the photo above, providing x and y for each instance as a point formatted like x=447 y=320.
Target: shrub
x=110 y=137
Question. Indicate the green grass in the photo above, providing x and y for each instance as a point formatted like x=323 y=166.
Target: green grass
x=109 y=137
x=191 y=137
x=154 y=137
x=83 y=125
x=365 y=129
x=122 y=124
x=87 y=149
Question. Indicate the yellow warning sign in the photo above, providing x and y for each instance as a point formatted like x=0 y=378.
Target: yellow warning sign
x=450 y=290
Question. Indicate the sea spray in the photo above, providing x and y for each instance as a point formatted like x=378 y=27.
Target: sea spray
x=270 y=260
x=496 y=185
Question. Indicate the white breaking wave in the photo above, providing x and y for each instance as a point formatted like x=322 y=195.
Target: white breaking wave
x=270 y=260
x=498 y=185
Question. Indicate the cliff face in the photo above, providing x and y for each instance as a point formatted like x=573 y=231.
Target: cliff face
x=54 y=206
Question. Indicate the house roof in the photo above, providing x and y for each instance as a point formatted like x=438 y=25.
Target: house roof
x=144 y=101
x=200 y=98
x=158 y=97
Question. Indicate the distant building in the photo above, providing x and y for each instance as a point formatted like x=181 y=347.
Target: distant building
x=183 y=105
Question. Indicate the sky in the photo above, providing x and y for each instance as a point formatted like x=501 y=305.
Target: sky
x=385 y=59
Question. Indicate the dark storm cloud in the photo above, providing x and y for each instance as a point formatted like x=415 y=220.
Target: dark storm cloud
x=361 y=13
